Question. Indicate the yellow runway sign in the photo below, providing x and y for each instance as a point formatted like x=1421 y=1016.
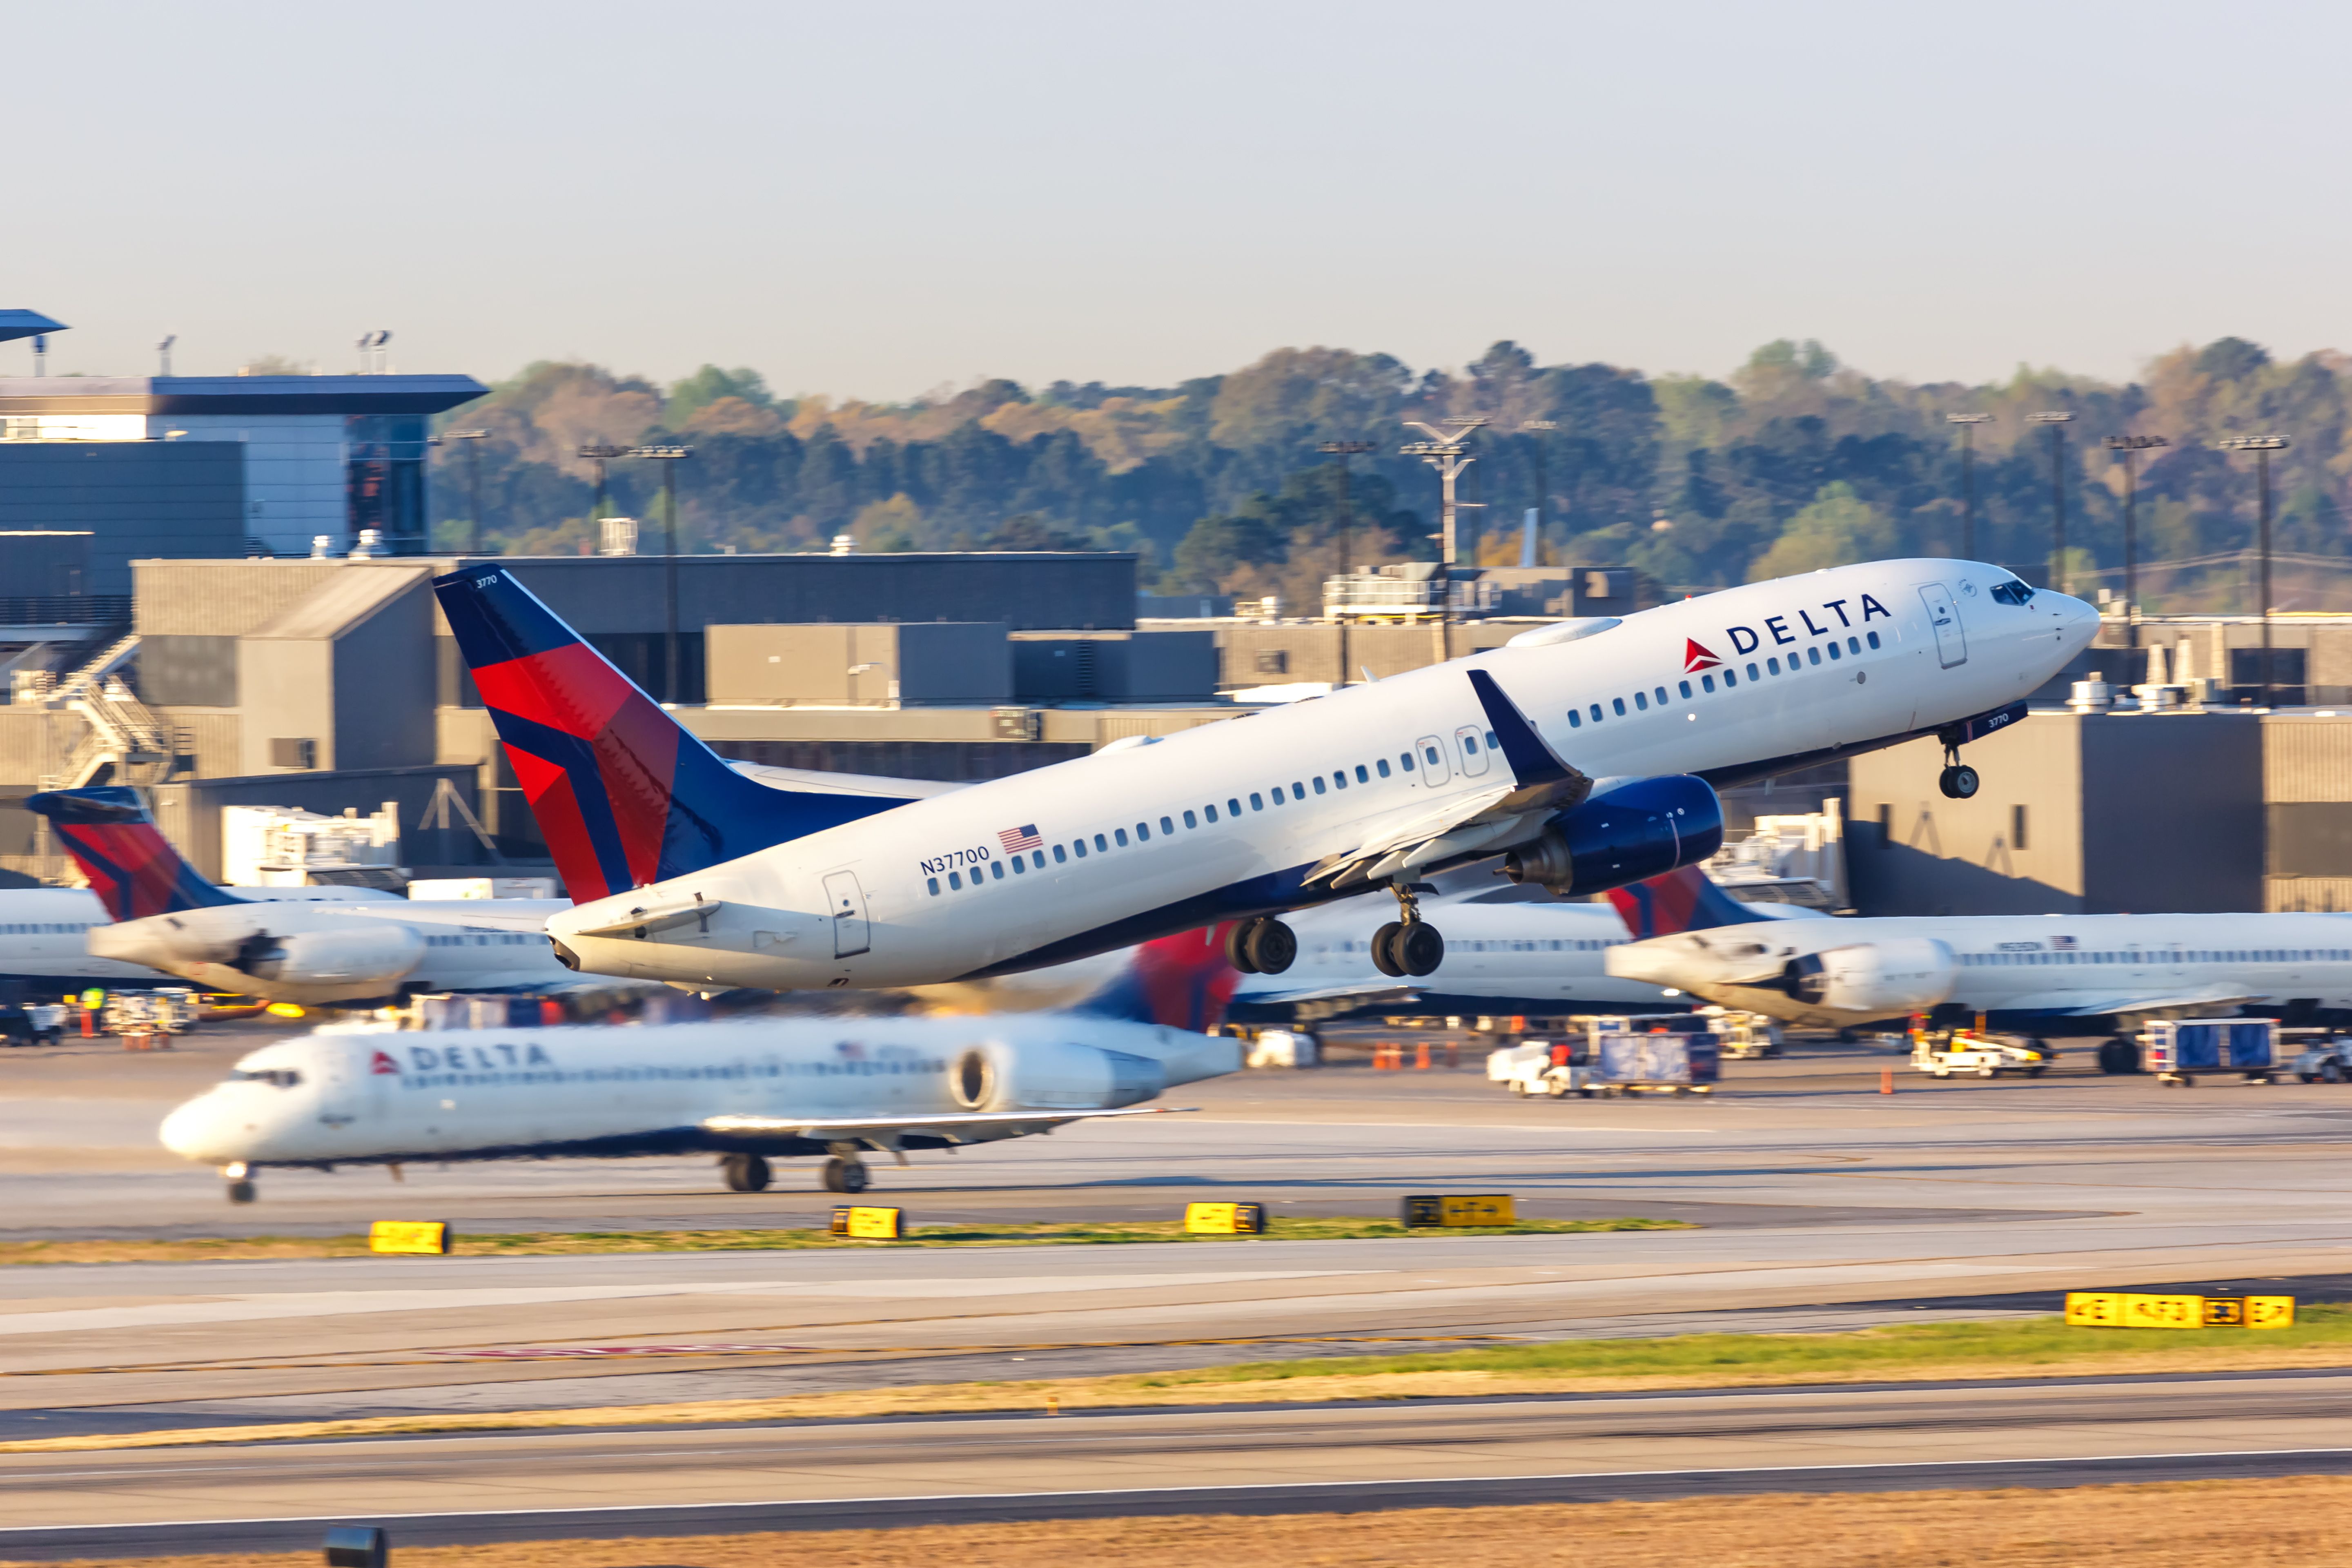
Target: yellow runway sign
x=410 y=1235
x=2125 y=1309
x=1482 y=1209
x=1225 y=1219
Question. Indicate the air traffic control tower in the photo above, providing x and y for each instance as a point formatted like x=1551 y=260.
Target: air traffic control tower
x=208 y=467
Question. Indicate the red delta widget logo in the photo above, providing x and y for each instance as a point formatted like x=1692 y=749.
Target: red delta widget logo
x=1747 y=639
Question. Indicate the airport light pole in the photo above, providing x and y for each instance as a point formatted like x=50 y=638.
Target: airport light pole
x=2130 y=447
x=1967 y=424
x=2261 y=446
x=669 y=457
x=1343 y=450
x=2057 y=424
x=600 y=454
x=473 y=439
x=1539 y=428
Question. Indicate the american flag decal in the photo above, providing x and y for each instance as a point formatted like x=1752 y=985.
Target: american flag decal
x=1017 y=840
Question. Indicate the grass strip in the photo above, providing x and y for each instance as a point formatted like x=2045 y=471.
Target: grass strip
x=777 y=1239
x=1903 y=1353
x=2263 y=1523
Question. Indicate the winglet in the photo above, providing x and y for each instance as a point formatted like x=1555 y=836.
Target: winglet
x=1532 y=760
x=132 y=867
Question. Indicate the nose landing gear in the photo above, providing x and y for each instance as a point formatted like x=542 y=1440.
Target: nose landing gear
x=1409 y=945
x=1958 y=781
x=239 y=1177
x=1263 y=945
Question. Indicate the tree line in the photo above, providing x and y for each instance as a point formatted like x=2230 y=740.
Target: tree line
x=1793 y=462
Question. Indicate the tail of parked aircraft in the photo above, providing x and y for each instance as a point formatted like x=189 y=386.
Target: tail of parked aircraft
x=1183 y=982
x=1681 y=900
x=132 y=867
x=623 y=793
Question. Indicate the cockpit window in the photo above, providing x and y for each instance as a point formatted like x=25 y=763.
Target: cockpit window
x=283 y=1078
x=2012 y=592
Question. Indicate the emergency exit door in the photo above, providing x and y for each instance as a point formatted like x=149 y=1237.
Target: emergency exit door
x=848 y=903
x=1951 y=641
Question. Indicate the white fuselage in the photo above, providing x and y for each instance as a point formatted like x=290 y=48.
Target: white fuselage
x=365 y=1096
x=321 y=953
x=2049 y=966
x=44 y=932
x=1224 y=820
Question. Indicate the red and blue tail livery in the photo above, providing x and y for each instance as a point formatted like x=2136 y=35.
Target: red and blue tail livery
x=132 y=867
x=1180 y=982
x=623 y=793
x=1681 y=900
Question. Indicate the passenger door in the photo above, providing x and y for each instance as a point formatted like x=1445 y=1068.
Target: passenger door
x=846 y=901
x=1431 y=761
x=1471 y=748
x=1951 y=641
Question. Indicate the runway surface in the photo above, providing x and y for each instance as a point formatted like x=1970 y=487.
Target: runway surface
x=1821 y=1205
x=1288 y=1458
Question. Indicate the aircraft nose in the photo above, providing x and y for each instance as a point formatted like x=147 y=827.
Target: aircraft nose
x=193 y=1131
x=2079 y=620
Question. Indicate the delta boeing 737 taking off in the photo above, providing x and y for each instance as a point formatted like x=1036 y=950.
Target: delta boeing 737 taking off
x=1586 y=752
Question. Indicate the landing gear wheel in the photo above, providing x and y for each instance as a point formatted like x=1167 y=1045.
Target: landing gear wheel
x=240 y=1192
x=1238 y=946
x=1958 y=781
x=2118 y=1055
x=2331 y=1072
x=844 y=1175
x=1270 y=946
x=1419 y=948
x=745 y=1172
x=1384 y=958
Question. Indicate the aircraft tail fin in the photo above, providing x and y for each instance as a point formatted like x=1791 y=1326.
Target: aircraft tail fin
x=624 y=795
x=132 y=867
x=1683 y=900
x=1182 y=982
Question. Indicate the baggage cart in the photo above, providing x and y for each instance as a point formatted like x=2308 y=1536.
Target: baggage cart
x=2181 y=1049
x=1657 y=1062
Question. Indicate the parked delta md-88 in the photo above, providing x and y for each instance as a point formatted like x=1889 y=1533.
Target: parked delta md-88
x=165 y=917
x=2050 y=975
x=1586 y=752
x=747 y=1089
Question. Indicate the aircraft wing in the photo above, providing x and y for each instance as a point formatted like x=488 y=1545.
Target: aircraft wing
x=851 y=1129
x=2090 y=1004
x=1497 y=816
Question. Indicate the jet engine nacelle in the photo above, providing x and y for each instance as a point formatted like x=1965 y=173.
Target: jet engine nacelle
x=335 y=957
x=1637 y=831
x=1052 y=1075
x=1874 y=979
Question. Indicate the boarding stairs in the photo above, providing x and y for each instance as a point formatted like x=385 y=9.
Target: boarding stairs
x=123 y=733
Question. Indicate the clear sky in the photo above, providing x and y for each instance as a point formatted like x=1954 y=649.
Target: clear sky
x=875 y=199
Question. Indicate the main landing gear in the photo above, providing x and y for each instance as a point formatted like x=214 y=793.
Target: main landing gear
x=745 y=1172
x=1408 y=945
x=844 y=1175
x=1260 y=946
x=1958 y=781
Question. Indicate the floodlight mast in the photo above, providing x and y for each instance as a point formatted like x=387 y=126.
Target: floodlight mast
x=1967 y=424
x=2130 y=447
x=2261 y=446
x=2057 y=423
x=1449 y=456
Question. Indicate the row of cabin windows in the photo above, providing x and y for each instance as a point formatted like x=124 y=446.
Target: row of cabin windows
x=2201 y=955
x=502 y=939
x=1730 y=673
x=42 y=928
x=1118 y=837
x=1545 y=944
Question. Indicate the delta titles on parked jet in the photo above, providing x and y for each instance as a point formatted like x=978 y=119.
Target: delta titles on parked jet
x=748 y=1090
x=1585 y=751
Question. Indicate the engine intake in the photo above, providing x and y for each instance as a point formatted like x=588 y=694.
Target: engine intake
x=1637 y=831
